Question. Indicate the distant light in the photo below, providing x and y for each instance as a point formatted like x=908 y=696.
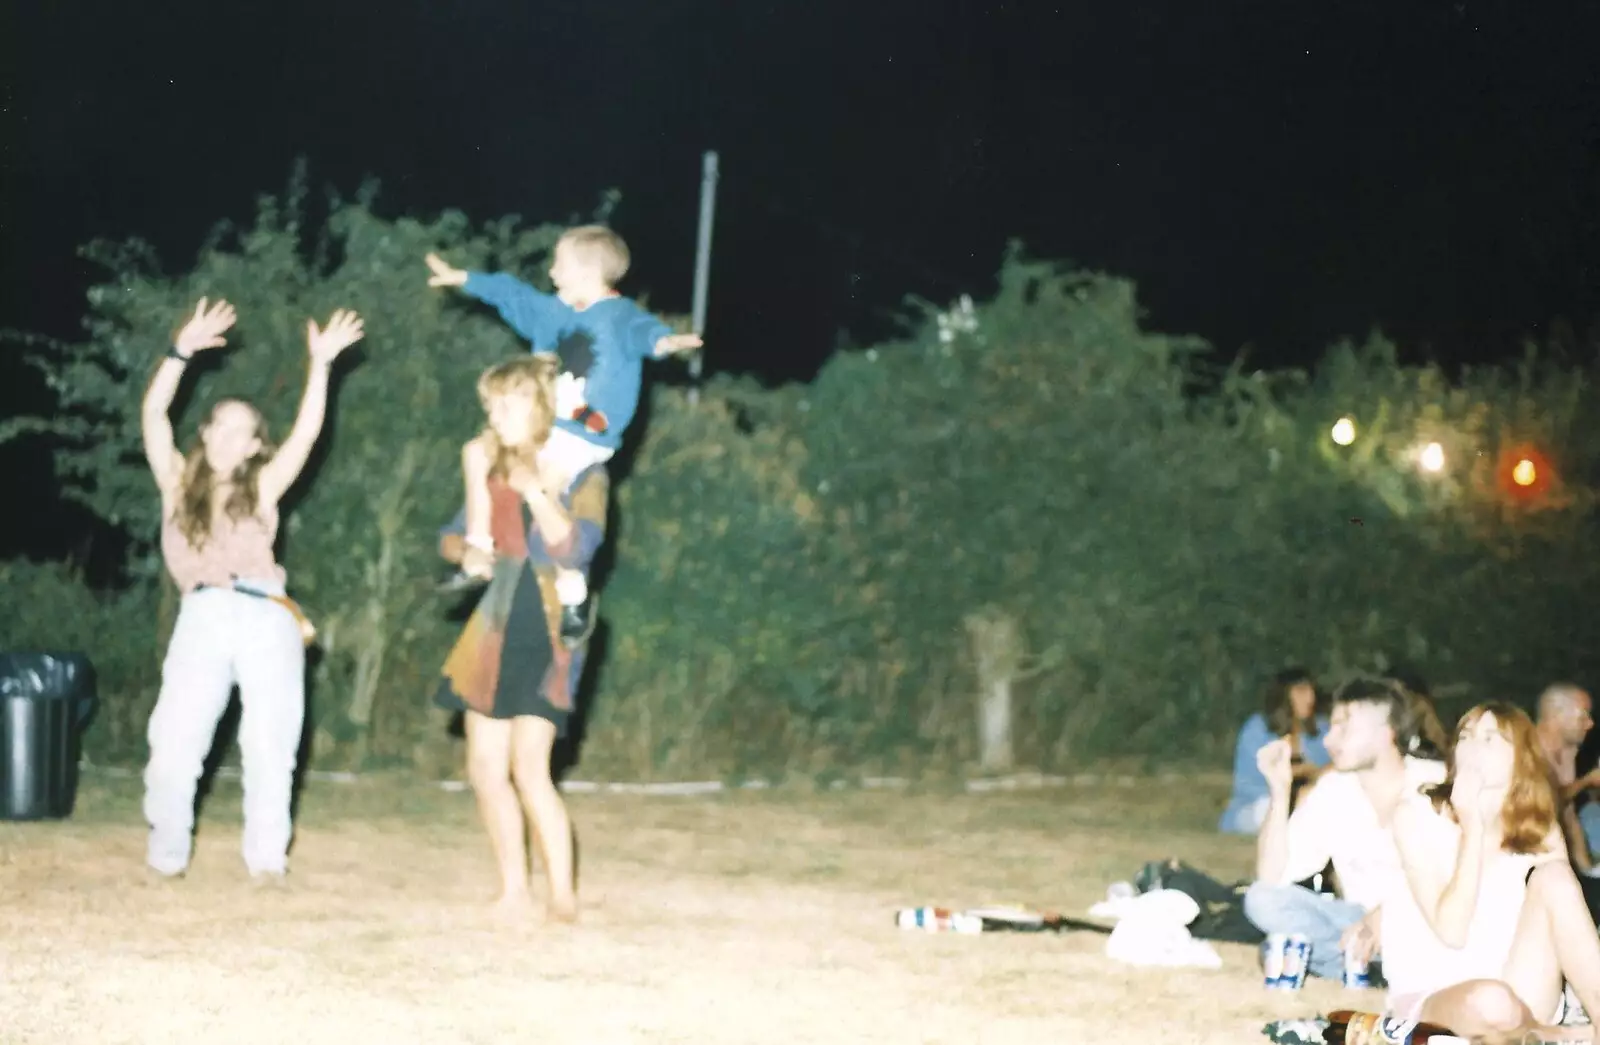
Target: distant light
x=1524 y=473
x=1344 y=431
x=1432 y=457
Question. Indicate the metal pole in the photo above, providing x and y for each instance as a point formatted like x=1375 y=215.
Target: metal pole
x=702 y=264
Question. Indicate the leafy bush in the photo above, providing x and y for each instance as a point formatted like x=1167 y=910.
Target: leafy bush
x=800 y=573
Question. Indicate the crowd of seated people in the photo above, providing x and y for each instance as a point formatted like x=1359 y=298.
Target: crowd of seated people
x=1461 y=862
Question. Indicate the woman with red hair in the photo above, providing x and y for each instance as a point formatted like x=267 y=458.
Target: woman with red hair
x=1492 y=929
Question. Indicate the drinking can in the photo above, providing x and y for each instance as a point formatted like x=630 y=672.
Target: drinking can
x=1284 y=961
x=1356 y=976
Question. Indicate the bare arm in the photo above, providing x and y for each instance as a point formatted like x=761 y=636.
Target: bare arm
x=1447 y=897
x=324 y=346
x=203 y=331
x=552 y=520
x=477 y=547
x=160 y=449
x=1586 y=782
x=475 y=475
x=1577 y=843
x=1272 y=843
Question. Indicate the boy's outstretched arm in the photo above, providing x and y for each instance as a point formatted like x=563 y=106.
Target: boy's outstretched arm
x=648 y=337
x=534 y=315
x=444 y=274
x=672 y=344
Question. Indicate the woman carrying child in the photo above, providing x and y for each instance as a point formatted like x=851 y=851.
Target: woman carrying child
x=510 y=673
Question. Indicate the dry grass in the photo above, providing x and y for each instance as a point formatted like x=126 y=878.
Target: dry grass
x=752 y=917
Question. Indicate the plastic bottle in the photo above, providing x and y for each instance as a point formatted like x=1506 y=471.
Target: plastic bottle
x=937 y=920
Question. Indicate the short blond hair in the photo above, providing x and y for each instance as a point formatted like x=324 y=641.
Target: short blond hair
x=601 y=247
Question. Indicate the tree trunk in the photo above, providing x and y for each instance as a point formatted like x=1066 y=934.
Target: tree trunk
x=997 y=654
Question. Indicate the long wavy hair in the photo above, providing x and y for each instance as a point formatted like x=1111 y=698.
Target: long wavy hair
x=197 y=489
x=1528 y=814
x=535 y=377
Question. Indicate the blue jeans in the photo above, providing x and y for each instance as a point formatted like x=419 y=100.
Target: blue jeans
x=1589 y=818
x=1318 y=917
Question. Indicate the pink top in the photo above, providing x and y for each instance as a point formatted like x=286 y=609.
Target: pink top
x=241 y=548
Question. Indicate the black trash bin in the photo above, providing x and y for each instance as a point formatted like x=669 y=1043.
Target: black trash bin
x=45 y=701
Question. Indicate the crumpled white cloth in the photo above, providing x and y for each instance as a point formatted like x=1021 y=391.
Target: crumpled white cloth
x=1153 y=930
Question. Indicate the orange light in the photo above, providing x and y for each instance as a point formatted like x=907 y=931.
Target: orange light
x=1525 y=473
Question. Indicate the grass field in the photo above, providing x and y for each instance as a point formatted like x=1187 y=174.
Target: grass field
x=741 y=917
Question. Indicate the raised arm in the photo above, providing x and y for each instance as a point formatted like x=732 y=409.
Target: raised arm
x=203 y=331
x=534 y=315
x=1272 y=842
x=323 y=346
x=1446 y=895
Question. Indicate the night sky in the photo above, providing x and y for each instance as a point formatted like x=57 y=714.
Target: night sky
x=1273 y=176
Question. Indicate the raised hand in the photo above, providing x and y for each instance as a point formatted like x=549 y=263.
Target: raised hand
x=1476 y=805
x=204 y=328
x=1491 y=800
x=1275 y=760
x=1464 y=790
x=344 y=329
x=444 y=274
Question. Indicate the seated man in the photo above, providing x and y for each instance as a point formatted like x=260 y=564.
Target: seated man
x=1564 y=722
x=1343 y=818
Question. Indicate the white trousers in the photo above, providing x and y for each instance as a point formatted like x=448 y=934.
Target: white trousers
x=223 y=638
x=572 y=454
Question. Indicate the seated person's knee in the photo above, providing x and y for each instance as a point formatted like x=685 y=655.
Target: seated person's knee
x=1264 y=905
x=1495 y=1004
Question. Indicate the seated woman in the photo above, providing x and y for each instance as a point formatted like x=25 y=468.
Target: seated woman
x=1290 y=709
x=1491 y=922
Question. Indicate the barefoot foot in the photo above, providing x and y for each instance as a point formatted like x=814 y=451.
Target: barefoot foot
x=513 y=907
x=563 y=912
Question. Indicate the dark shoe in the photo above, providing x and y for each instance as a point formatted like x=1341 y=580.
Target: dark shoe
x=575 y=623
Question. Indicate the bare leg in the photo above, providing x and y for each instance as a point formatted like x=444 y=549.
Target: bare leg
x=532 y=740
x=1491 y=1012
x=489 y=769
x=1556 y=940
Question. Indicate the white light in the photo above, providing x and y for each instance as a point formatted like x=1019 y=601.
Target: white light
x=1432 y=457
x=1344 y=431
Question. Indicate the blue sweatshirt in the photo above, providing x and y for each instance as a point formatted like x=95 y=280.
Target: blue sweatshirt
x=604 y=346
